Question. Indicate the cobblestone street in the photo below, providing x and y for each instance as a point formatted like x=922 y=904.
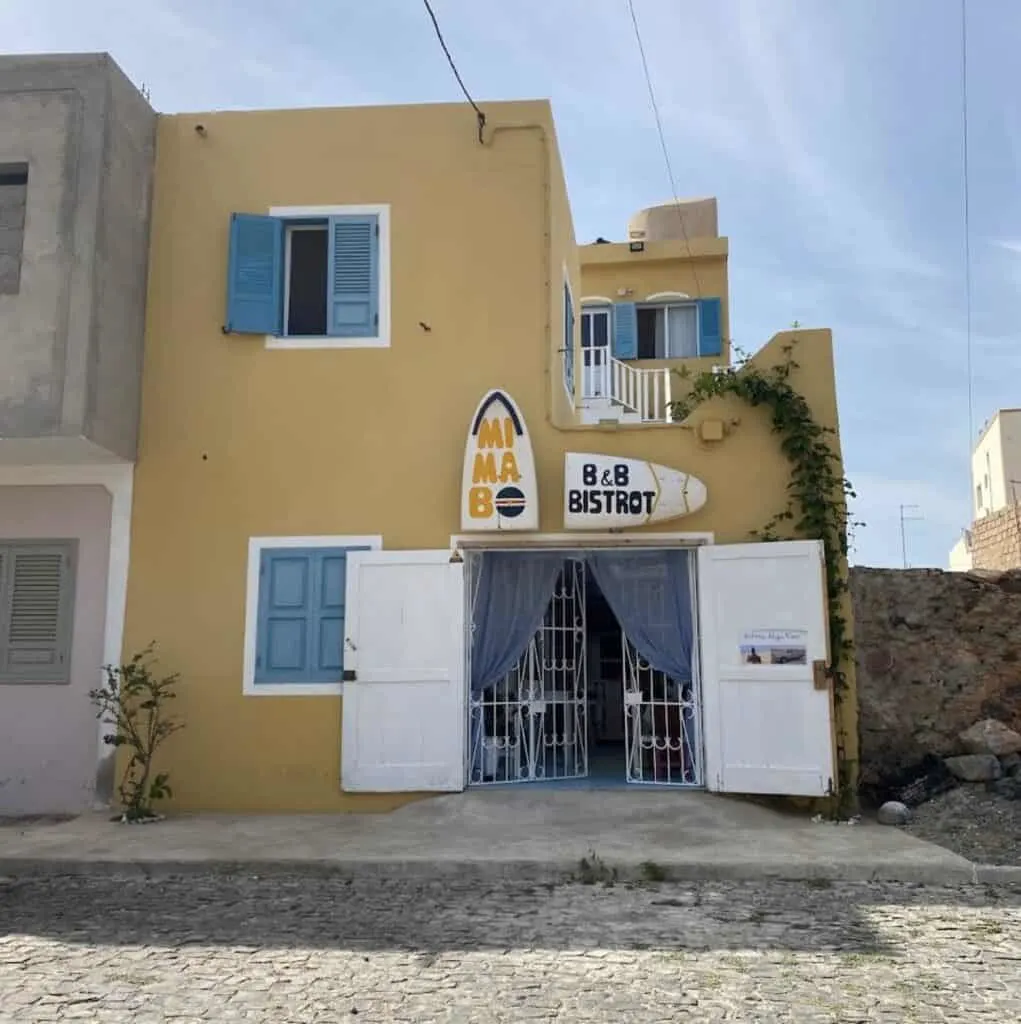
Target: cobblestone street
x=306 y=950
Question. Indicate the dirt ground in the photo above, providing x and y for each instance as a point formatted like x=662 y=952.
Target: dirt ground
x=970 y=821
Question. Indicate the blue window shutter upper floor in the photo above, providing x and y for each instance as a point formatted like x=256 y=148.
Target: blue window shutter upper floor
x=568 y=340
x=353 y=276
x=625 y=330
x=255 y=275
x=710 y=327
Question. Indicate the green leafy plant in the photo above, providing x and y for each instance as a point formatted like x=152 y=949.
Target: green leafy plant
x=817 y=492
x=593 y=871
x=133 y=699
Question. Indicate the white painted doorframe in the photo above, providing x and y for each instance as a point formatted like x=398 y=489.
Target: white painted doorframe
x=581 y=542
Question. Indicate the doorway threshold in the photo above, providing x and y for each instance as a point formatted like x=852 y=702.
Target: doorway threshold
x=589 y=783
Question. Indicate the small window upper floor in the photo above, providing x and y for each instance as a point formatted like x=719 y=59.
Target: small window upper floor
x=311 y=277
x=661 y=329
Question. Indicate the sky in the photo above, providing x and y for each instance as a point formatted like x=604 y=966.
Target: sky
x=830 y=132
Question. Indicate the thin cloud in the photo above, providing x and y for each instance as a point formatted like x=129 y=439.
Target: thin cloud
x=865 y=232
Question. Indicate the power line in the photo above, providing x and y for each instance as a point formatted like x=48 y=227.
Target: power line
x=662 y=142
x=967 y=220
x=453 y=67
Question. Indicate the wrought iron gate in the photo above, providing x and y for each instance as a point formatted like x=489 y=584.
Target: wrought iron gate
x=533 y=724
x=662 y=724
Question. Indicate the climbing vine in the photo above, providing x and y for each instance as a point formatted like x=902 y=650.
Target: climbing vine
x=817 y=492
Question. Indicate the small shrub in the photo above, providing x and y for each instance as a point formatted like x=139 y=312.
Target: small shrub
x=592 y=871
x=652 y=872
x=134 y=700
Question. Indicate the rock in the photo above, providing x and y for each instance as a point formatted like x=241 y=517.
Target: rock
x=991 y=737
x=936 y=652
x=1011 y=764
x=974 y=767
x=893 y=813
x=1009 y=788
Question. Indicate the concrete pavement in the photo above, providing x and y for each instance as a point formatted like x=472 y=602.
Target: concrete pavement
x=501 y=833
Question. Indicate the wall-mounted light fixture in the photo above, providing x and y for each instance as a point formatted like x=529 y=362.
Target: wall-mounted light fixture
x=636 y=246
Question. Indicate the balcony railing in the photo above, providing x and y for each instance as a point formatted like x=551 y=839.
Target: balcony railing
x=637 y=394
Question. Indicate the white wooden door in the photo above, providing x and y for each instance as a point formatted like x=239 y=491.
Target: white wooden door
x=762 y=623
x=404 y=699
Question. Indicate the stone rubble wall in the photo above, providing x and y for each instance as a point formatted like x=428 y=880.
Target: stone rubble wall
x=936 y=652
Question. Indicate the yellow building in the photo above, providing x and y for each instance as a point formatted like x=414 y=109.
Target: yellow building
x=411 y=511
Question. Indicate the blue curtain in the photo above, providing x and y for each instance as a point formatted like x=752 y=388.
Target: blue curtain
x=514 y=591
x=650 y=594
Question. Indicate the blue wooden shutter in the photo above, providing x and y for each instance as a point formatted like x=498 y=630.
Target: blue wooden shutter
x=354 y=277
x=300 y=632
x=330 y=578
x=710 y=327
x=625 y=330
x=255 y=275
x=282 y=633
x=568 y=340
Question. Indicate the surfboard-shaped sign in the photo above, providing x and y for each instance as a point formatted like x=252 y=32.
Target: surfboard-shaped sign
x=603 y=492
x=498 y=486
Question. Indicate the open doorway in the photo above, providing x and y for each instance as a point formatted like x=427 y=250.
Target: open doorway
x=605 y=655
x=643 y=722
x=582 y=668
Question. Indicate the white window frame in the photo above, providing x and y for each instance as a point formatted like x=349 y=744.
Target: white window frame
x=607 y=311
x=665 y=306
x=590 y=372
x=256 y=545
x=382 y=337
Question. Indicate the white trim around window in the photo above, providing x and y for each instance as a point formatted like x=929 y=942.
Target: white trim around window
x=382 y=339
x=255 y=548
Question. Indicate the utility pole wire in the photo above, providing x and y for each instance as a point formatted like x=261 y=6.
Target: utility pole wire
x=662 y=142
x=453 y=67
x=967 y=219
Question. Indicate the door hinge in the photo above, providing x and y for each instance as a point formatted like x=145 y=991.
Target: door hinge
x=820 y=676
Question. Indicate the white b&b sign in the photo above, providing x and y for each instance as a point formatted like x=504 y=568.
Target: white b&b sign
x=603 y=492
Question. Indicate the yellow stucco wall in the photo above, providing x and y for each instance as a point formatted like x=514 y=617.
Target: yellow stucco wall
x=240 y=441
